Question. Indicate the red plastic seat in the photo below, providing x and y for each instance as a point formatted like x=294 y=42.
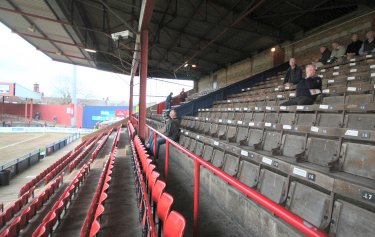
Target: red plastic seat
x=94 y=228
x=164 y=206
x=157 y=190
x=174 y=226
x=149 y=170
x=152 y=179
x=40 y=232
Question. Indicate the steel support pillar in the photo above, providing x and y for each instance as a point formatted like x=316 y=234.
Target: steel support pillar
x=131 y=96
x=31 y=110
x=25 y=110
x=143 y=84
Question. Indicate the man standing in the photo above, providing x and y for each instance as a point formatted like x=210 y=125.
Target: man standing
x=183 y=95
x=168 y=101
x=171 y=130
x=293 y=74
x=368 y=45
x=308 y=89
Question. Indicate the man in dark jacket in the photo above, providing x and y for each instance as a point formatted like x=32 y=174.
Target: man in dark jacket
x=368 y=46
x=326 y=54
x=171 y=129
x=294 y=73
x=168 y=101
x=307 y=89
x=353 y=48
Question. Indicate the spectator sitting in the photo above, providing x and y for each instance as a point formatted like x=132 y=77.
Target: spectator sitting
x=368 y=45
x=338 y=52
x=326 y=54
x=168 y=101
x=293 y=74
x=171 y=130
x=353 y=48
x=183 y=95
x=307 y=89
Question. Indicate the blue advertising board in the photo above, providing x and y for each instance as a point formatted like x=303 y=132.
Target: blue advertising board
x=94 y=114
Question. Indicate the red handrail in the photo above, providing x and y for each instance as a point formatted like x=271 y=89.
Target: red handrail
x=288 y=216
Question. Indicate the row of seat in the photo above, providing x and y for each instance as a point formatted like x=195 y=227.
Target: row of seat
x=91 y=225
x=7 y=214
x=299 y=143
x=68 y=160
x=318 y=198
x=161 y=202
x=87 y=149
x=60 y=163
x=305 y=115
x=21 y=221
x=53 y=217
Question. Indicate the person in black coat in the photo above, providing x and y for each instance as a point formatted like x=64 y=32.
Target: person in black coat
x=353 y=48
x=294 y=73
x=307 y=89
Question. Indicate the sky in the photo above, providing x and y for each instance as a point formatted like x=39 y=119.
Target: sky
x=21 y=63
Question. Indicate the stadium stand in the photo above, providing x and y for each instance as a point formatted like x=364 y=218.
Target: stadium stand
x=316 y=160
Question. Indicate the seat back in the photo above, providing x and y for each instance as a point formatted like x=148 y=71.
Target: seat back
x=358 y=99
x=218 y=158
x=333 y=100
x=287 y=118
x=293 y=145
x=272 y=185
x=360 y=121
x=164 y=206
x=359 y=159
x=248 y=173
x=349 y=220
x=305 y=119
x=330 y=120
x=321 y=151
x=158 y=190
x=310 y=204
x=207 y=153
x=231 y=164
x=255 y=136
x=198 y=148
x=272 y=139
x=174 y=225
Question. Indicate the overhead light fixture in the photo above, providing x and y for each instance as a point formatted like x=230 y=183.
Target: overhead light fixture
x=31 y=28
x=273 y=49
x=91 y=50
x=193 y=65
x=58 y=53
x=186 y=65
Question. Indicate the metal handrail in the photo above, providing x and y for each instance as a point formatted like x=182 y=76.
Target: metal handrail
x=288 y=216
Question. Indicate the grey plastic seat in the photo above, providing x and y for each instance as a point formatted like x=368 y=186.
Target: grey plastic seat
x=271 y=117
x=358 y=99
x=322 y=151
x=272 y=140
x=207 y=153
x=292 y=145
x=218 y=158
x=359 y=159
x=330 y=120
x=287 y=118
x=199 y=148
x=248 y=173
x=333 y=100
x=254 y=137
x=231 y=164
x=241 y=134
x=207 y=128
x=349 y=220
x=192 y=144
x=231 y=133
x=272 y=185
x=214 y=129
x=258 y=117
x=305 y=119
x=222 y=131
x=310 y=204
x=248 y=116
x=360 y=121
x=187 y=142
